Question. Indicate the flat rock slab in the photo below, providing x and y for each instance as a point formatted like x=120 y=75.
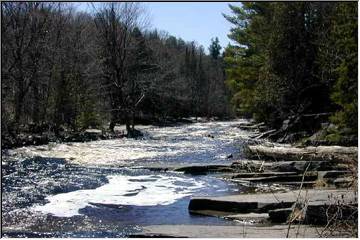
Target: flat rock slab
x=198 y=169
x=241 y=231
x=260 y=203
x=281 y=178
x=261 y=174
x=246 y=217
x=286 y=166
x=280 y=215
x=253 y=218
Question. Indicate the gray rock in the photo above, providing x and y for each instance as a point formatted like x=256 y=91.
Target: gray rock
x=239 y=231
x=280 y=215
x=201 y=170
x=262 y=203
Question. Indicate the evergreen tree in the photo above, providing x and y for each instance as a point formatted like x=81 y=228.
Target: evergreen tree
x=215 y=48
x=344 y=92
x=293 y=59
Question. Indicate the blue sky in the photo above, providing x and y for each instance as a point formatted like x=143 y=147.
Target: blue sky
x=192 y=21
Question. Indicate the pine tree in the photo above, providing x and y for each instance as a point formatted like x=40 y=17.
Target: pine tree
x=215 y=48
x=344 y=92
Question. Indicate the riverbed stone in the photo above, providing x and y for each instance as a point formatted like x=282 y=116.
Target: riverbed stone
x=260 y=203
x=240 y=231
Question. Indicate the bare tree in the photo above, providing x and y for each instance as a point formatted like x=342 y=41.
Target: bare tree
x=115 y=23
x=25 y=29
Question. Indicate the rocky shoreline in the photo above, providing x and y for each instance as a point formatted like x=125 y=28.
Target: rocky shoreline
x=296 y=192
x=34 y=135
x=9 y=141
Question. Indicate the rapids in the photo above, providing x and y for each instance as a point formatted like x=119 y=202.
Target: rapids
x=97 y=189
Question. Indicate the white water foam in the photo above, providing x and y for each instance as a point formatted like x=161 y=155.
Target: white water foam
x=166 y=142
x=122 y=190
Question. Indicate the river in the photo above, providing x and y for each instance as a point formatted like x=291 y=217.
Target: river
x=101 y=189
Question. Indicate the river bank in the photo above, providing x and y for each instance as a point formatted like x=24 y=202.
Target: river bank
x=106 y=188
x=42 y=134
x=296 y=192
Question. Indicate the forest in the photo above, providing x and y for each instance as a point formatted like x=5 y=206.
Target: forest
x=292 y=66
x=114 y=128
x=65 y=69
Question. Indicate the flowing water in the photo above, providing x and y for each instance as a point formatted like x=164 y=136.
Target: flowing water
x=101 y=188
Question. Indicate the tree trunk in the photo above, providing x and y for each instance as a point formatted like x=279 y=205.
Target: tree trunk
x=129 y=130
x=319 y=153
x=18 y=107
x=133 y=121
x=113 y=121
x=36 y=107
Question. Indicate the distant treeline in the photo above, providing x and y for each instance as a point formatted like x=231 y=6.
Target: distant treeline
x=292 y=59
x=61 y=67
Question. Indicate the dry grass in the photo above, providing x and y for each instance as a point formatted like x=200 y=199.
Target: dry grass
x=320 y=183
x=341 y=217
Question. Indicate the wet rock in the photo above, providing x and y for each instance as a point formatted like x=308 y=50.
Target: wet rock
x=246 y=206
x=280 y=215
x=199 y=204
x=154 y=168
x=249 y=217
x=202 y=170
x=262 y=203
